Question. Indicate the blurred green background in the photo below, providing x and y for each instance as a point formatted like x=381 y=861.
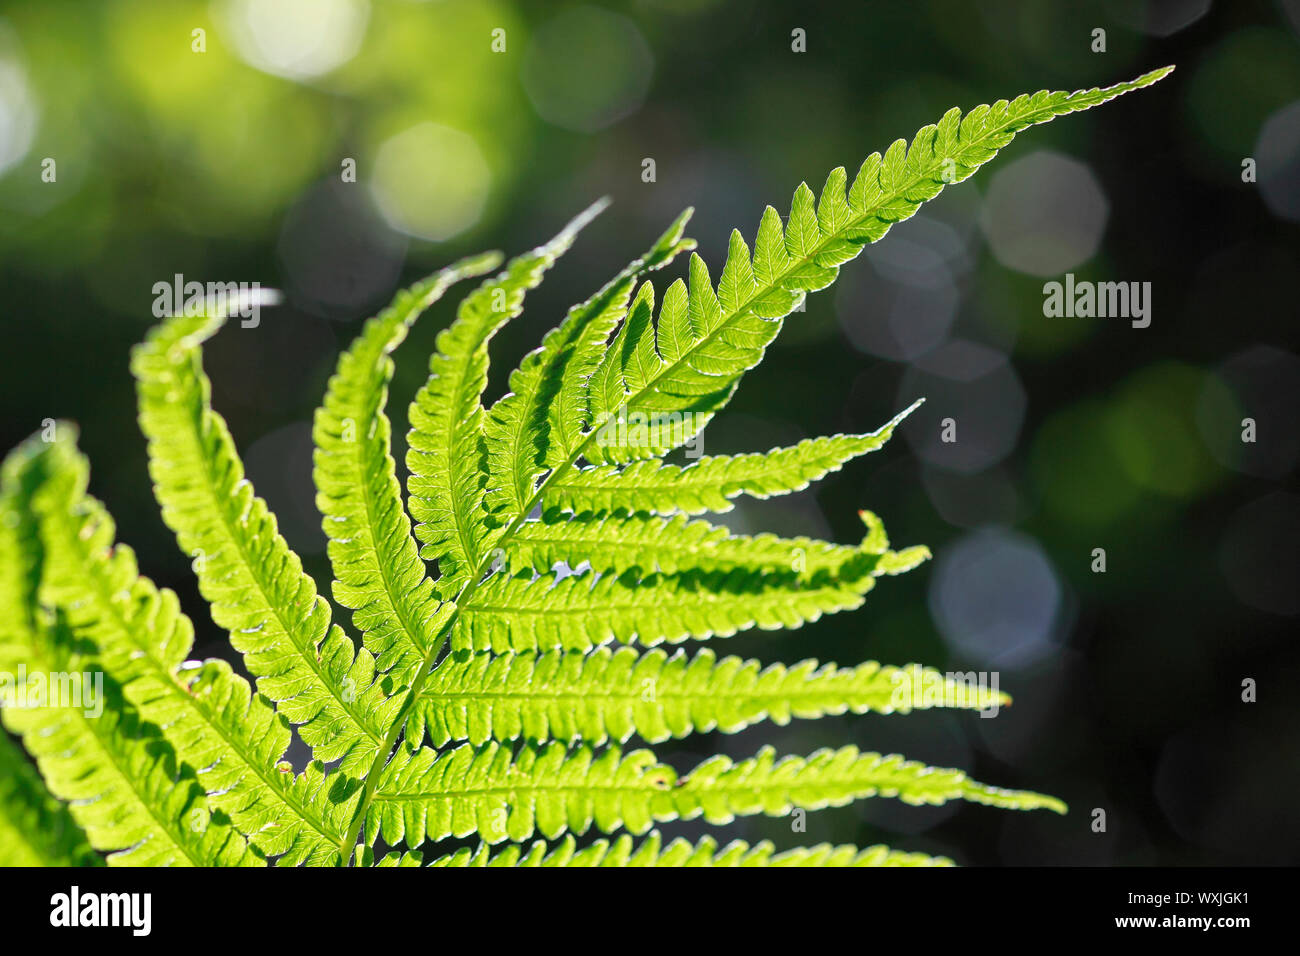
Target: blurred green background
x=229 y=164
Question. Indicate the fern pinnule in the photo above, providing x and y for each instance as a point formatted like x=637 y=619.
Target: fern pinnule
x=549 y=789
x=534 y=423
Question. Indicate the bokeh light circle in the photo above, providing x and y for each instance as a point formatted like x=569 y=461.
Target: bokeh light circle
x=296 y=39
x=1260 y=384
x=586 y=69
x=1277 y=155
x=1258 y=554
x=978 y=389
x=339 y=259
x=430 y=181
x=18 y=113
x=902 y=303
x=1044 y=214
x=996 y=598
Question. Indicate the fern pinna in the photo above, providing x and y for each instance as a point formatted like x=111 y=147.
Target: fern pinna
x=496 y=698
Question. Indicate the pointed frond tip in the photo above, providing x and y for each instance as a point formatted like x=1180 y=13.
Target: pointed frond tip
x=255 y=584
x=377 y=568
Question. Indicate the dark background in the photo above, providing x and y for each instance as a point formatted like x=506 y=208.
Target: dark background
x=1073 y=434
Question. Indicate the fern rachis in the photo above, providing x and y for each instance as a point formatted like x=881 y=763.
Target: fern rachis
x=483 y=700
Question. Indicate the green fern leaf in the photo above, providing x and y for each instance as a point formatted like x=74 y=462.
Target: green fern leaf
x=556 y=528
x=550 y=790
x=377 y=568
x=582 y=611
x=118 y=774
x=623 y=851
x=677 y=544
x=538 y=421
x=709 y=484
x=123 y=786
x=707 y=338
x=670 y=545
x=233 y=739
x=254 y=583
x=447 y=457
x=35 y=829
x=613 y=694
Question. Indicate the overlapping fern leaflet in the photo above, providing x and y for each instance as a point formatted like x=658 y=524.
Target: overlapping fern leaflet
x=377 y=567
x=35 y=828
x=119 y=775
x=550 y=789
x=233 y=739
x=256 y=585
x=652 y=851
x=708 y=484
x=533 y=426
x=448 y=455
x=613 y=694
x=557 y=528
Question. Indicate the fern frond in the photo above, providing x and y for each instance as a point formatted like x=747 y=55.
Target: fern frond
x=709 y=484
x=118 y=774
x=670 y=545
x=550 y=790
x=585 y=610
x=233 y=739
x=706 y=338
x=563 y=479
x=253 y=581
x=617 y=543
x=377 y=567
x=447 y=457
x=539 y=421
x=612 y=694
x=624 y=851
x=121 y=780
x=35 y=828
